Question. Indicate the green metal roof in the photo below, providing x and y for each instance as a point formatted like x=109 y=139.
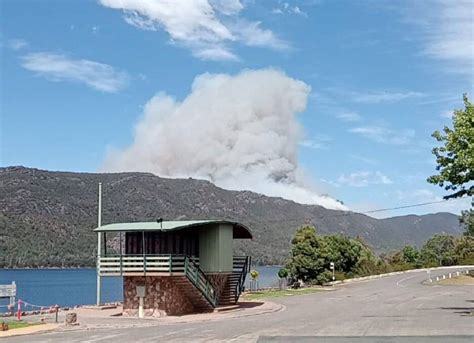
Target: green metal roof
x=240 y=230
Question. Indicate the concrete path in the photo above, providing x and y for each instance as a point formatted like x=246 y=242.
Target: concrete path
x=29 y=330
x=398 y=305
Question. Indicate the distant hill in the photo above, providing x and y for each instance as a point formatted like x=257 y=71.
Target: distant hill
x=46 y=218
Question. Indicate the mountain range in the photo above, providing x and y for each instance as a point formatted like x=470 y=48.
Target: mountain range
x=47 y=217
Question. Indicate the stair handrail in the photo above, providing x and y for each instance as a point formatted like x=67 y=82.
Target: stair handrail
x=194 y=273
x=243 y=274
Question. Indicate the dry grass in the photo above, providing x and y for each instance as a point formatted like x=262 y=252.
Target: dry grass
x=458 y=280
x=14 y=324
x=276 y=293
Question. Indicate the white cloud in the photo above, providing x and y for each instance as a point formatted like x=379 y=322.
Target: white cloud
x=288 y=9
x=238 y=131
x=348 y=116
x=206 y=27
x=251 y=34
x=363 y=159
x=17 y=44
x=330 y=182
x=447 y=32
x=364 y=179
x=385 y=135
x=57 y=67
x=316 y=142
x=379 y=97
x=375 y=97
x=447 y=114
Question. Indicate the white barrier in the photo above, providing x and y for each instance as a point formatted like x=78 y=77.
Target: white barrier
x=371 y=277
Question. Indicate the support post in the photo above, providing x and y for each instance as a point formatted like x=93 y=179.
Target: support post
x=143 y=251
x=141 y=313
x=99 y=244
x=12 y=297
x=121 y=253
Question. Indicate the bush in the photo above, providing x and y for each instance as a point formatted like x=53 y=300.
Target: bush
x=283 y=273
x=254 y=274
x=324 y=277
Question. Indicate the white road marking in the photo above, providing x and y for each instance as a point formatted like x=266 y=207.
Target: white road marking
x=101 y=338
x=156 y=338
x=399 y=282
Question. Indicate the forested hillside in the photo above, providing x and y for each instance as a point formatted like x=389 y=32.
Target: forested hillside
x=46 y=218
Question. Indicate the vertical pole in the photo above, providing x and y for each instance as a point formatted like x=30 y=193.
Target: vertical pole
x=121 y=253
x=141 y=313
x=104 y=237
x=12 y=298
x=18 y=314
x=143 y=251
x=99 y=244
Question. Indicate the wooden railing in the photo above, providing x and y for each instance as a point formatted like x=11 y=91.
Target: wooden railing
x=200 y=281
x=118 y=265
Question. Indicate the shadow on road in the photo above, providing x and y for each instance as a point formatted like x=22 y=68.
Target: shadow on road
x=250 y=304
x=460 y=310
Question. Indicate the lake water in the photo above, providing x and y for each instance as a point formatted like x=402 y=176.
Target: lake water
x=70 y=287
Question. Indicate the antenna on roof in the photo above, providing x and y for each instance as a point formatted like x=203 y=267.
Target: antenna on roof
x=160 y=221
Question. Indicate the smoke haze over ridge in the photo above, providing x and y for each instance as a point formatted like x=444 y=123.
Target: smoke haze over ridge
x=238 y=131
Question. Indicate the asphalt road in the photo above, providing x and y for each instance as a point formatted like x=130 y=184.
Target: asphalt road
x=391 y=309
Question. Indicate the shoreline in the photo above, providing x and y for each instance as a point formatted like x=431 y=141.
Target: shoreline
x=46 y=268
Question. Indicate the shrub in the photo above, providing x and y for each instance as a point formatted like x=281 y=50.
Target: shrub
x=254 y=274
x=283 y=273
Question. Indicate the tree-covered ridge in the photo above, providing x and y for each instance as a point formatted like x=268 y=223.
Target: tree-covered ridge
x=47 y=218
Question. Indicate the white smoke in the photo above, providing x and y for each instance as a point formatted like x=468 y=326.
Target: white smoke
x=238 y=131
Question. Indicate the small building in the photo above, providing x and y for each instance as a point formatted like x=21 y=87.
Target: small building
x=174 y=267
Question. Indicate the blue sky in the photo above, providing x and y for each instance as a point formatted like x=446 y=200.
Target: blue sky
x=76 y=78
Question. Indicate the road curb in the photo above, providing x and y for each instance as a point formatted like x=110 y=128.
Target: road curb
x=30 y=330
x=378 y=276
x=150 y=322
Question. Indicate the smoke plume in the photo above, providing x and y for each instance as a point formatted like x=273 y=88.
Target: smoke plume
x=238 y=131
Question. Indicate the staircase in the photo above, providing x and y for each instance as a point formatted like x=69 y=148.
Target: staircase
x=196 y=287
x=236 y=281
x=194 y=295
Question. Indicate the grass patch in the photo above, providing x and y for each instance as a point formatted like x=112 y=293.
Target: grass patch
x=277 y=293
x=458 y=280
x=15 y=324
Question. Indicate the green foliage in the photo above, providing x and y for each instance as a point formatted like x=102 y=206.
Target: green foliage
x=311 y=255
x=283 y=273
x=410 y=255
x=439 y=251
x=467 y=219
x=306 y=261
x=455 y=159
x=254 y=274
x=324 y=277
x=464 y=250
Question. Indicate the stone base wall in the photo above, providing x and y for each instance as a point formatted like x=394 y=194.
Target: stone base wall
x=218 y=281
x=162 y=297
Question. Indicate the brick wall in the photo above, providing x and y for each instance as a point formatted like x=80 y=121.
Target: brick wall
x=162 y=297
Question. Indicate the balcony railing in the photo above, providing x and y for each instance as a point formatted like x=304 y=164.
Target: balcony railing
x=142 y=264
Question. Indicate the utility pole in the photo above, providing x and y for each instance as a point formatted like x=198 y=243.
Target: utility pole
x=99 y=244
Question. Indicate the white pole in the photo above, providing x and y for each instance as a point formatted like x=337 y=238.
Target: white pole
x=141 y=313
x=99 y=244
